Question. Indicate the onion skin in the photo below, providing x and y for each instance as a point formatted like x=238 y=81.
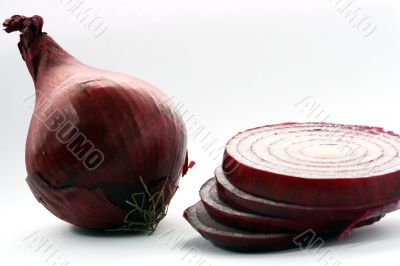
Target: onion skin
x=125 y=118
x=338 y=192
x=68 y=204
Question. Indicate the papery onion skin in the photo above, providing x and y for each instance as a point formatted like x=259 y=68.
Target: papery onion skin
x=334 y=192
x=126 y=119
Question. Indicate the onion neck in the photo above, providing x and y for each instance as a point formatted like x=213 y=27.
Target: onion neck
x=44 y=58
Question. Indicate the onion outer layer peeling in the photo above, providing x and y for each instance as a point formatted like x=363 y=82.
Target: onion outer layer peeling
x=104 y=150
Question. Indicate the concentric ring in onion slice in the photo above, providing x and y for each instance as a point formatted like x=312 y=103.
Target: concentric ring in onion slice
x=316 y=164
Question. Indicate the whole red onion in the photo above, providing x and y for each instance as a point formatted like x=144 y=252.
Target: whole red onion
x=104 y=150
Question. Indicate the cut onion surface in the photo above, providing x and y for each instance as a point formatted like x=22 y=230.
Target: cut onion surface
x=225 y=214
x=231 y=238
x=247 y=202
x=316 y=164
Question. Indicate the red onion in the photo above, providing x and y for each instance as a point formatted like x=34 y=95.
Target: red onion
x=235 y=239
x=247 y=202
x=316 y=164
x=232 y=238
x=103 y=150
x=228 y=215
x=307 y=178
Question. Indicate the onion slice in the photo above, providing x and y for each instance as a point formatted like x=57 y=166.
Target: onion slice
x=246 y=202
x=231 y=238
x=225 y=214
x=316 y=164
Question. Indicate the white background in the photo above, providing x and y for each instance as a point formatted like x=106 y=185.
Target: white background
x=233 y=64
